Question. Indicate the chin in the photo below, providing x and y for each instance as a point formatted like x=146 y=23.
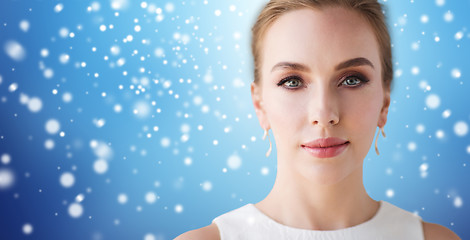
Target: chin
x=324 y=175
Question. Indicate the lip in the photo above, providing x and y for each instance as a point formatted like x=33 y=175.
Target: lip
x=326 y=147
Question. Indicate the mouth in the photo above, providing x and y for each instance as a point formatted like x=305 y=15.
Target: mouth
x=325 y=142
x=326 y=147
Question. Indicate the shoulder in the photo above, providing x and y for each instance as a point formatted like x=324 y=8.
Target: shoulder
x=434 y=231
x=210 y=232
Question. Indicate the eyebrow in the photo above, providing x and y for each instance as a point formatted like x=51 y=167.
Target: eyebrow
x=354 y=62
x=291 y=65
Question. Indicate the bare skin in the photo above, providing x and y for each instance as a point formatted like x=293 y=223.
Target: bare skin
x=319 y=101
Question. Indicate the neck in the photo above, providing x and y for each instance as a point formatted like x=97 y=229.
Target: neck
x=297 y=202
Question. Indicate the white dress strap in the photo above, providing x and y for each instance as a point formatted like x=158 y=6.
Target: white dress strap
x=390 y=222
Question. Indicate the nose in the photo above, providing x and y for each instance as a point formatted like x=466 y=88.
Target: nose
x=324 y=109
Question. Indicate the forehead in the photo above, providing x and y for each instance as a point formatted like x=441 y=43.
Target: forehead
x=319 y=38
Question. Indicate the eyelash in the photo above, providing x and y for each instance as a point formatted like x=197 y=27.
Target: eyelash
x=363 y=80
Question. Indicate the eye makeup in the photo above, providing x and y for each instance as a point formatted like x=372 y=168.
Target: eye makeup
x=295 y=82
x=353 y=75
x=291 y=78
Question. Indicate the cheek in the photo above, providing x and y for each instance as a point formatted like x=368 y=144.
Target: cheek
x=361 y=113
x=285 y=112
x=360 y=116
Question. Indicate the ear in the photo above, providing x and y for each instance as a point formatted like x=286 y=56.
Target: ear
x=257 y=99
x=384 y=110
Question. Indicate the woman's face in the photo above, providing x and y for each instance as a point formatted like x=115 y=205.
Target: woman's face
x=321 y=78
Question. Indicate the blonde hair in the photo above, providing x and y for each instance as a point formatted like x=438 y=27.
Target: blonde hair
x=371 y=10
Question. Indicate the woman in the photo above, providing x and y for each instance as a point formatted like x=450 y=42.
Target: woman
x=323 y=73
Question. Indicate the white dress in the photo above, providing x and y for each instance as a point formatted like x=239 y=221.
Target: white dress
x=390 y=222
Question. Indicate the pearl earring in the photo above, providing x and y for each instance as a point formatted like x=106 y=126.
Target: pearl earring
x=381 y=129
x=266 y=134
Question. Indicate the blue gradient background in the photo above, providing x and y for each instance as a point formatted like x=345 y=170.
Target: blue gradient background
x=141 y=164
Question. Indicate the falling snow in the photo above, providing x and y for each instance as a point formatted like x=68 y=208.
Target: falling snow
x=27 y=228
x=144 y=107
x=440 y=134
x=458 y=202
x=67 y=180
x=461 y=128
x=34 y=104
x=420 y=128
x=122 y=198
x=49 y=144
x=24 y=25
x=5 y=158
x=100 y=166
x=67 y=97
x=75 y=210
x=234 y=162
x=7 y=178
x=149 y=236
x=390 y=193
x=433 y=101
x=52 y=126
x=150 y=197
x=178 y=208
x=455 y=73
x=446 y=113
x=448 y=16
x=206 y=186
x=15 y=50
x=412 y=146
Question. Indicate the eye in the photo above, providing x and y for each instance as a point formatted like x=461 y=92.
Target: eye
x=352 y=81
x=291 y=82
